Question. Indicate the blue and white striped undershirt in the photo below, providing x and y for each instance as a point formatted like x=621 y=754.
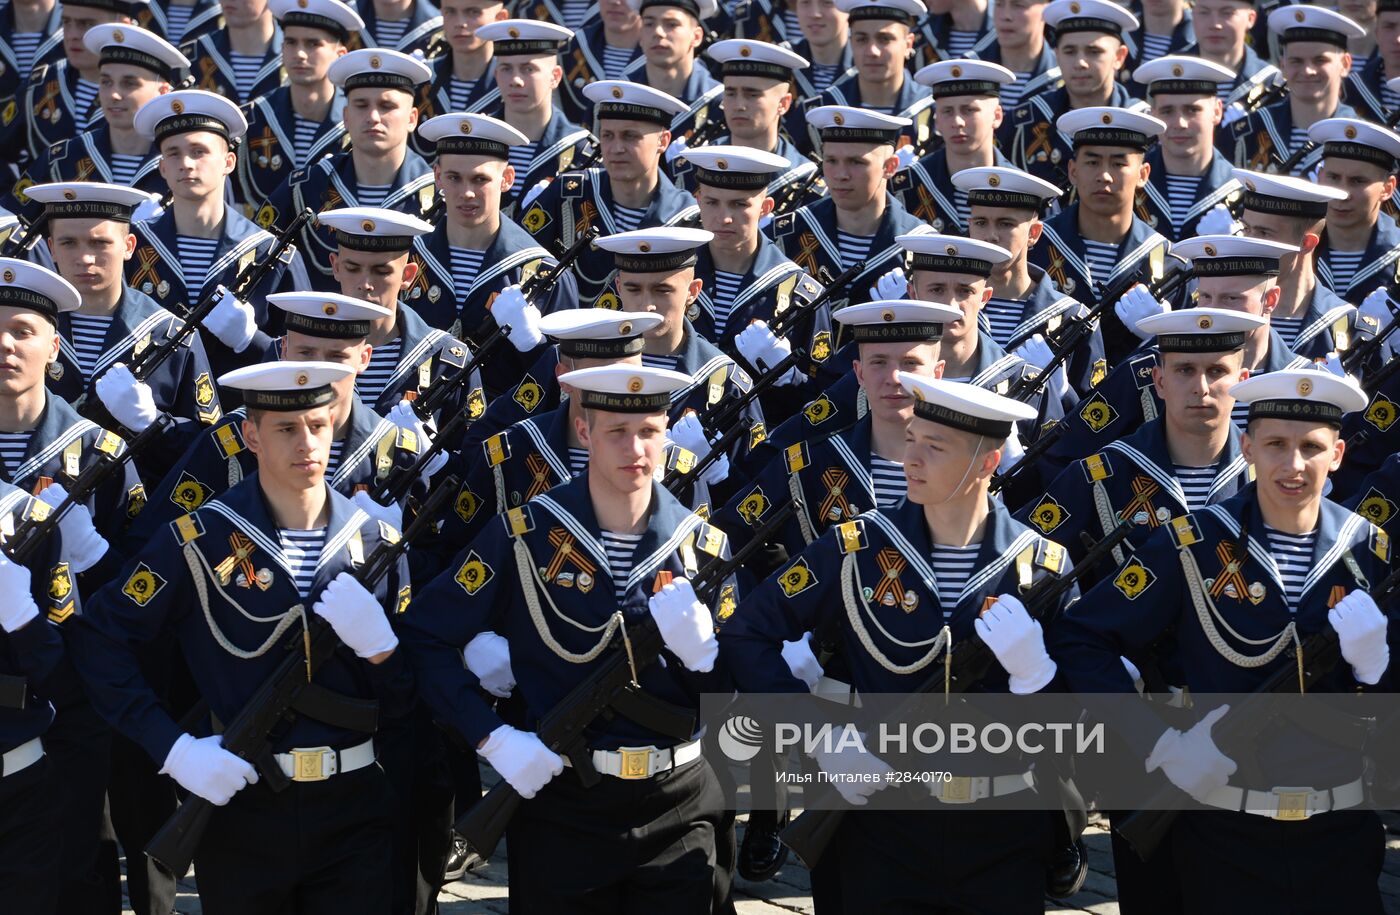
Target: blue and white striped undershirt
x=823 y=75
x=575 y=12
x=1293 y=555
x=960 y=42
x=125 y=167
x=1101 y=258
x=1344 y=265
x=790 y=21
x=303 y=552
x=1223 y=91
x=888 y=480
x=383 y=360
x=389 y=32
x=578 y=460
x=1195 y=483
x=952 y=567
x=304 y=135
x=1389 y=98
x=88 y=334
x=372 y=195
x=333 y=458
x=13 y=445
x=1003 y=316
x=1239 y=415
x=25 y=45
x=1181 y=197
x=661 y=362
x=520 y=158
x=854 y=248
x=628 y=218
x=177 y=19
x=465 y=264
x=1358 y=63
x=726 y=289
x=245 y=73
x=196 y=254
x=615 y=60
x=619 y=548
x=1296 y=138
x=1011 y=92
x=1287 y=328
x=85 y=107
x=459 y=92
x=1153 y=46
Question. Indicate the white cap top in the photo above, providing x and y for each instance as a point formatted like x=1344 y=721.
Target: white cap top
x=745 y=57
x=625 y=388
x=599 y=333
x=378 y=68
x=1313 y=23
x=524 y=37
x=469 y=134
x=1352 y=138
x=373 y=228
x=87 y=199
x=317 y=14
x=1089 y=16
x=1202 y=247
x=189 y=110
x=700 y=9
x=26 y=285
x=1182 y=75
x=968 y=407
x=621 y=100
x=120 y=42
x=1200 y=330
x=964 y=77
x=1107 y=126
x=952 y=253
x=328 y=314
x=1309 y=395
x=1003 y=180
x=737 y=167
x=286 y=386
x=896 y=10
x=1285 y=195
x=897 y=320
x=660 y=240
x=844 y=124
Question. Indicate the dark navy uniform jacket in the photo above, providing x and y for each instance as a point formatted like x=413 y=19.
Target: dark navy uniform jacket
x=13 y=82
x=433 y=99
x=1380 y=265
x=1378 y=496
x=268 y=155
x=1047 y=309
x=1261 y=142
x=155 y=594
x=1372 y=435
x=562 y=142
x=1044 y=75
x=1363 y=90
x=582 y=60
x=932 y=33
x=1034 y=144
x=926 y=190
x=211 y=64
x=1216 y=186
x=49 y=107
x=913 y=101
x=1331 y=324
x=523 y=560
x=798 y=172
x=423 y=32
x=701 y=97
x=86 y=157
x=1254 y=74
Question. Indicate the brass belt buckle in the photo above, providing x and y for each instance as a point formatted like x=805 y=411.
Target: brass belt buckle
x=957 y=790
x=636 y=762
x=310 y=765
x=1292 y=804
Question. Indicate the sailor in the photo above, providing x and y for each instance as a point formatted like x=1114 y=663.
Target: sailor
x=31 y=37
x=1360 y=248
x=242 y=59
x=823 y=38
x=672 y=33
x=954 y=30
x=1019 y=43
x=415 y=28
x=1368 y=84
x=1222 y=37
x=1166 y=28
x=607 y=48
x=464 y=78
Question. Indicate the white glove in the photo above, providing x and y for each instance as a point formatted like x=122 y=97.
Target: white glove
x=802 y=662
x=678 y=146
x=231 y=320
x=1191 y=759
x=356 y=616
x=686 y=625
x=892 y=285
x=150 y=208
x=1217 y=221
x=1039 y=354
x=487 y=656
x=1011 y=451
x=1377 y=306
x=1333 y=364
x=129 y=401
x=1233 y=112
x=1018 y=642
x=202 y=766
x=688 y=433
x=511 y=309
x=391 y=515
x=868 y=772
x=18 y=608
x=907 y=156
x=522 y=759
x=403 y=416
x=82 y=544
x=717 y=472
x=763 y=349
x=1360 y=628
x=534 y=192
x=1137 y=304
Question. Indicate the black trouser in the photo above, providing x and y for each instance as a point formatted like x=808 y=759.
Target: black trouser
x=623 y=846
x=965 y=861
x=31 y=840
x=1238 y=862
x=139 y=801
x=317 y=848
x=414 y=758
x=78 y=745
x=1151 y=887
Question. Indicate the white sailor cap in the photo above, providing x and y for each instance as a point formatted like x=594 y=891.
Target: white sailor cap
x=1000 y=186
x=87 y=200
x=906 y=11
x=1351 y=138
x=599 y=333
x=379 y=68
x=121 y=43
x=187 y=111
x=465 y=134
x=1309 y=395
x=744 y=57
x=844 y=124
x=1109 y=126
x=1178 y=74
x=658 y=250
x=1232 y=255
x=285 y=387
x=1066 y=16
x=738 y=168
x=1285 y=195
x=339 y=19
x=700 y=9
x=621 y=100
x=625 y=388
x=951 y=253
x=524 y=37
x=328 y=314
x=1313 y=23
x=26 y=285
x=968 y=407
x=897 y=320
x=373 y=228
x=948 y=78
x=1201 y=330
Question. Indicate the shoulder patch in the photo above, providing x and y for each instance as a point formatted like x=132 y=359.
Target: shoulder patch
x=108 y=443
x=821 y=346
x=795 y=456
x=680 y=460
x=1380 y=544
x=528 y=394
x=405 y=598
x=758 y=432
x=467 y=505
x=187 y=528
x=571 y=186
x=1050 y=556
x=784 y=224
x=709 y=539
x=60 y=589
x=1185 y=531
x=474 y=573
x=135 y=500
x=388 y=533
x=797 y=578
x=819 y=410
x=1381 y=412
x=1049 y=514
x=1141 y=367
x=189 y=493
x=1096 y=467
x=519 y=520
x=535 y=219
x=58 y=150
x=229 y=440
x=742 y=379
x=497 y=449
x=753 y=506
x=1097 y=412
x=37 y=77
x=850 y=536
x=1375 y=507
x=406 y=440
x=142 y=585
x=1133 y=579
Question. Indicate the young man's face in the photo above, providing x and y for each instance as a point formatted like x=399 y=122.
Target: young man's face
x=1107 y=178
x=76 y=21
x=666 y=294
x=527 y=84
x=123 y=89
x=1012 y=229
x=1090 y=61
x=619 y=15
x=1291 y=460
x=1016 y=21
x=373 y=276
x=242 y=13
x=941 y=462
x=1190 y=121
x=471 y=187
x=733 y=215
x=196 y=164
x=1301 y=231
x=307 y=54
x=670 y=36
x=963 y=291
x=753 y=104
x=820 y=21
x=1252 y=295
x=1388 y=41
x=624 y=449
x=1196 y=388
x=380 y=120
x=28 y=343
x=877 y=371
x=1367 y=186
x=856 y=173
x=91 y=253
x=461 y=19
x=1314 y=70
x=292 y=447
x=631 y=149
x=879 y=49
x=966 y=123
x=300 y=347
x=1221 y=26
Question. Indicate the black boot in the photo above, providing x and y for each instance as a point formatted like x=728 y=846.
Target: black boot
x=461 y=859
x=1067 y=871
x=761 y=854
